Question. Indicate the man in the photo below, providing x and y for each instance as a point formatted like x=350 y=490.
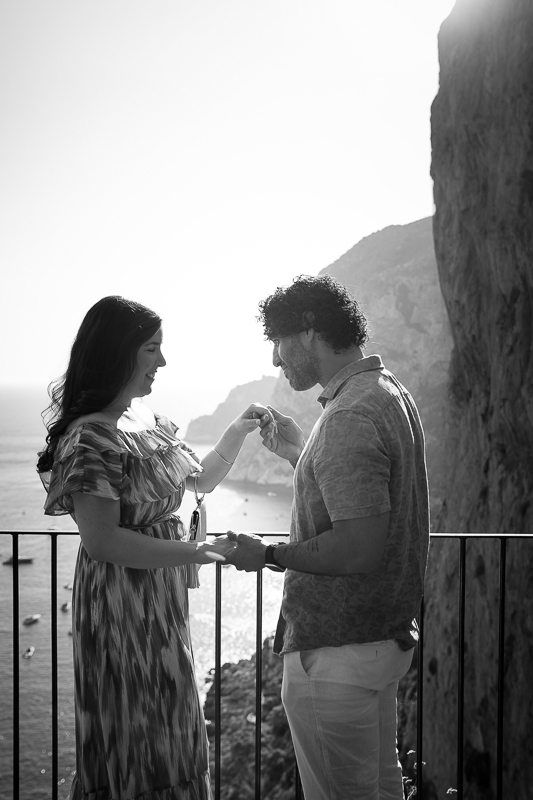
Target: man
x=358 y=546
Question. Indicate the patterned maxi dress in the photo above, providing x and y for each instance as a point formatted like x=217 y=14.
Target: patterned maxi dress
x=140 y=731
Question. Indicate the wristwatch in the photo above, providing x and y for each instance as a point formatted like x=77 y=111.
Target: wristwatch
x=270 y=561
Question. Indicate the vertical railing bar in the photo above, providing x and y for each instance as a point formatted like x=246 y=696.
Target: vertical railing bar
x=420 y=700
x=16 y=668
x=258 y=682
x=461 y=668
x=218 y=675
x=501 y=670
x=55 y=737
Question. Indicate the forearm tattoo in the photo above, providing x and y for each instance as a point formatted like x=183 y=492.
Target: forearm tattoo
x=302 y=556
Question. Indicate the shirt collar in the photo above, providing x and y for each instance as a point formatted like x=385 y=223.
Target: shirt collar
x=363 y=365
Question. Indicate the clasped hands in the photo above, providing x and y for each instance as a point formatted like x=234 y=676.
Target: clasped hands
x=244 y=551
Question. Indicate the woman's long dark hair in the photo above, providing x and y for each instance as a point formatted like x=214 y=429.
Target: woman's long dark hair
x=102 y=362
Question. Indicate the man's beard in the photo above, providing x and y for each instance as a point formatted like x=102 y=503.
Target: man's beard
x=304 y=373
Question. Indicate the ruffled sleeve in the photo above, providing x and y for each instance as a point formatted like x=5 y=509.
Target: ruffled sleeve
x=89 y=459
x=170 y=427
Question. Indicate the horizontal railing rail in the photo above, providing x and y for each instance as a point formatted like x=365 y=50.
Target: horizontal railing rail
x=462 y=540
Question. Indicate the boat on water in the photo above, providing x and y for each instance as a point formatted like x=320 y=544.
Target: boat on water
x=20 y=560
x=28 y=652
x=66 y=606
x=29 y=620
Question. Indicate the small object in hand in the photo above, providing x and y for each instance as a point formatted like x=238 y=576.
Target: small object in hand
x=214 y=556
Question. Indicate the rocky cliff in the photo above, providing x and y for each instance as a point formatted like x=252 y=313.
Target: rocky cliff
x=394 y=274
x=482 y=124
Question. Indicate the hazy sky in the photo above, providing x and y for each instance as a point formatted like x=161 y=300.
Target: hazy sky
x=193 y=155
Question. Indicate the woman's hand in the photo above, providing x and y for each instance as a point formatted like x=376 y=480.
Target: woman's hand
x=208 y=552
x=221 y=458
x=254 y=417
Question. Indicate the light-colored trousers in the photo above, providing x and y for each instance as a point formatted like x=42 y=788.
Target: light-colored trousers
x=341 y=707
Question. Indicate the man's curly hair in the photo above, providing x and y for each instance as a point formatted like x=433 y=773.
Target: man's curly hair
x=320 y=303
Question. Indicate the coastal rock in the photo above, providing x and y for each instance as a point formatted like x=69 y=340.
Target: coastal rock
x=482 y=167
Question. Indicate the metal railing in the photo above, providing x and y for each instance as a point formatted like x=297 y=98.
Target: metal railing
x=462 y=539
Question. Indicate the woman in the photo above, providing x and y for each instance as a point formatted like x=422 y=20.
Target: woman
x=121 y=471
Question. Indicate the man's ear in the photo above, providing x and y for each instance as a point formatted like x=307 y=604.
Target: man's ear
x=308 y=319
x=308 y=336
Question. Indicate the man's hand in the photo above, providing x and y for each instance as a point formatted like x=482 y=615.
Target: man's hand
x=249 y=555
x=282 y=436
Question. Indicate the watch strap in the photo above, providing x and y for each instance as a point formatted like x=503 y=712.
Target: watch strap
x=270 y=560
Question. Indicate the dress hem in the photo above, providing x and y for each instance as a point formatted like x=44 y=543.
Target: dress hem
x=197 y=789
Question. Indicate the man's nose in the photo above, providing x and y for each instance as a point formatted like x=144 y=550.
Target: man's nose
x=276 y=360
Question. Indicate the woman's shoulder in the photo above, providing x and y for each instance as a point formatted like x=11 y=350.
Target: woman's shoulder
x=91 y=431
x=88 y=419
x=90 y=457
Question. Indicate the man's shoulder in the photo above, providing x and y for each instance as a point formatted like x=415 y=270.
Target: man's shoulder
x=373 y=403
x=345 y=422
x=365 y=394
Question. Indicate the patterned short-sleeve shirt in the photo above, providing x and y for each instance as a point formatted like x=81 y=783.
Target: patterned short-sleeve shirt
x=365 y=456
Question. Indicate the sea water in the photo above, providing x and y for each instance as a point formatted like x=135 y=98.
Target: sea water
x=241 y=507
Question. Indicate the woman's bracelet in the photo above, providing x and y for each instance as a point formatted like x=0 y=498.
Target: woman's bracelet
x=229 y=463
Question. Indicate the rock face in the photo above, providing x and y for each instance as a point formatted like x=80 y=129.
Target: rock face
x=394 y=275
x=482 y=123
